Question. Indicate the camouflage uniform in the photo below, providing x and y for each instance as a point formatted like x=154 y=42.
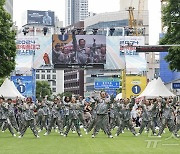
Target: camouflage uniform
x=73 y=117
x=126 y=117
x=28 y=118
x=167 y=117
x=147 y=117
x=101 y=120
x=4 y=120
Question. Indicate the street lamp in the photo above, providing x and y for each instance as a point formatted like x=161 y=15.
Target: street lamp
x=25 y=30
x=95 y=30
x=112 y=31
x=45 y=30
x=62 y=30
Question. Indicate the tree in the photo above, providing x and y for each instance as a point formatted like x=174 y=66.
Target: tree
x=67 y=94
x=43 y=89
x=171 y=20
x=1 y=81
x=7 y=42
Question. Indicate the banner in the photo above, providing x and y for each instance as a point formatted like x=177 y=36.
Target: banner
x=79 y=50
x=24 y=84
x=121 y=53
x=33 y=52
x=135 y=85
x=106 y=83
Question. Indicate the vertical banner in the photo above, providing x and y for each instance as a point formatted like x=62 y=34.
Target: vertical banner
x=24 y=84
x=135 y=85
x=121 y=53
x=33 y=52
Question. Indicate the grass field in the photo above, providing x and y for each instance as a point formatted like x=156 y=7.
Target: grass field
x=56 y=144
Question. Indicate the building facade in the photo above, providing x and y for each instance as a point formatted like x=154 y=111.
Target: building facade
x=9 y=7
x=74 y=82
x=54 y=77
x=75 y=10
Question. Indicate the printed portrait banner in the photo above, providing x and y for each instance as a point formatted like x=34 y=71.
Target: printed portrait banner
x=78 y=50
x=33 y=52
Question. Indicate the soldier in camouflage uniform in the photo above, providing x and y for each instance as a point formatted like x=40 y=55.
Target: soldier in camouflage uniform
x=56 y=117
x=11 y=116
x=177 y=112
x=147 y=118
x=125 y=112
x=29 y=118
x=4 y=116
x=20 y=115
x=115 y=115
x=93 y=120
x=167 y=118
x=66 y=111
x=102 y=115
x=81 y=111
x=42 y=115
x=74 y=108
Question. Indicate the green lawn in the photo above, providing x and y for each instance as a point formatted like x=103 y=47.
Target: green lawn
x=56 y=144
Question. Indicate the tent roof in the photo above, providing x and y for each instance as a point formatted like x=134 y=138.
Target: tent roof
x=119 y=96
x=155 y=89
x=9 y=90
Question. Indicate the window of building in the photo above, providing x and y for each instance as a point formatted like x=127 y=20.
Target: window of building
x=37 y=71
x=43 y=71
x=48 y=71
x=54 y=83
x=37 y=76
x=54 y=71
x=54 y=90
x=48 y=76
x=42 y=76
x=54 y=77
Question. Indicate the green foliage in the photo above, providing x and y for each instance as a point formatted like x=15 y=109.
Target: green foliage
x=7 y=43
x=171 y=19
x=1 y=81
x=67 y=94
x=43 y=89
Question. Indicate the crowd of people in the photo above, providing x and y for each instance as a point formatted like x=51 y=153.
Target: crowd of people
x=93 y=114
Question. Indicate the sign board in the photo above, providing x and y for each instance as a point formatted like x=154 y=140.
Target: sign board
x=107 y=83
x=40 y=17
x=24 y=84
x=134 y=85
x=176 y=85
x=121 y=53
x=79 y=51
x=33 y=52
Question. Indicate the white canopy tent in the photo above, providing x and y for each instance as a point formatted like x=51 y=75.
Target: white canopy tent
x=9 y=90
x=118 y=96
x=155 y=89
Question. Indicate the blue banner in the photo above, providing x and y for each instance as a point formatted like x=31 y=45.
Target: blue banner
x=106 y=83
x=176 y=85
x=25 y=85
